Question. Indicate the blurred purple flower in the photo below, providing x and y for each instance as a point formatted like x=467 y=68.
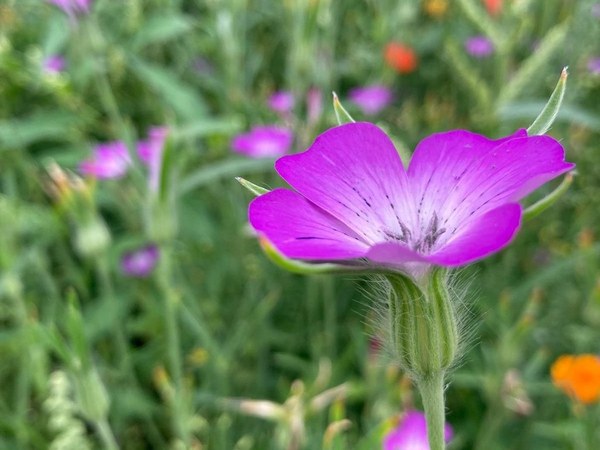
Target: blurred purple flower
x=593 y=65
x=203 y=66
x=596 y=10
x=150 y=152
x=411 y=433
x=148 y=149
x=281 y=102
x=314 y=105
x=140 y=262
x=53 y=64
x=110 y=160
x=371 y=99
x=264 y=142
x=479 y=46
x=72 y=7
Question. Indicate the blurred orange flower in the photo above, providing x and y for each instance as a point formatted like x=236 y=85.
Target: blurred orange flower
x=578 y=376
x=494 y=7
x=400 y=57
x=436 y=8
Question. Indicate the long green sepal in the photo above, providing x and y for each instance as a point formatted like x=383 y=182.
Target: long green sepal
x=300 y=267
x=542 y=205
x=546 y=118
x=341 y=114
x=255 y=189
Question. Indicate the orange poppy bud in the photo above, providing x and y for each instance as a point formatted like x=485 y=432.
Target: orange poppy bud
x=494 y=7
x=578 y=376
x=400 y=57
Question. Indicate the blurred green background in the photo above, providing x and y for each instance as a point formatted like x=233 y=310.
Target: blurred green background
x=91 y=358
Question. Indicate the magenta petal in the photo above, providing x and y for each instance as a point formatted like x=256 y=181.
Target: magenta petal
x=140 y=262
x=110 y=160
x=393 y=254
x=461 y=175
x=483 y=236
x=281 y=102
x=53 y=64
x=354 y=173
x=411 y=433
x=300 y=229
x=264 y=142
x=371 y=99
x=479 y=46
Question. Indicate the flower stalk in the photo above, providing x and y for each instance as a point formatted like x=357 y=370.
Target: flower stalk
x=424 y=335
x=432 y=395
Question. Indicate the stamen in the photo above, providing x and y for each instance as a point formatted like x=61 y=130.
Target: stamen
x=432 y=234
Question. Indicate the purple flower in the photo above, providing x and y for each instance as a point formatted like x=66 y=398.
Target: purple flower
x=53 y=64
x=593 y=65
x=596 y=10
x=264 y=142
x=411 y=433
x=456 y=203
x=110 y=160
x=281 y=102
x=72 y=7
x=479 y=46
x=371 y=99
x=140 y=262
x=150 y=152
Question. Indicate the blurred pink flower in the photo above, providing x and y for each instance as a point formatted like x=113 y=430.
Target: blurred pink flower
x=264 y=142
x=150 y=152
x=371 y=99
x=479 y=46
x=73 y=7
x=314 y=105
x=53 y=64
x=411 y=433
x=140 y=262
x=110 y=160
x=596 y=10
x=593 y=65
x=281 y=102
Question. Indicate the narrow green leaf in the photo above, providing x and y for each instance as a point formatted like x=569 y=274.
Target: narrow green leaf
x=533 y=65
x=255 y=189
x=477 y=15
x=542 y=205
x=183 y=98
x=546 y=118
x=520 y=111
x=207 y=127
x=341 y=114
x=76 y=330
x=466 y=74
x=45 y=125
x=161 y=28
x=223 y=169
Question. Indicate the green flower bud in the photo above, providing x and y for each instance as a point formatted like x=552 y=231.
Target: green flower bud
x=92 y=397
x=91 y=238
x=423 y=325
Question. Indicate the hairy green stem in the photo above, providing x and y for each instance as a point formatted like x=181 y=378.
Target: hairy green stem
x=425 y=336
x=432 y=395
